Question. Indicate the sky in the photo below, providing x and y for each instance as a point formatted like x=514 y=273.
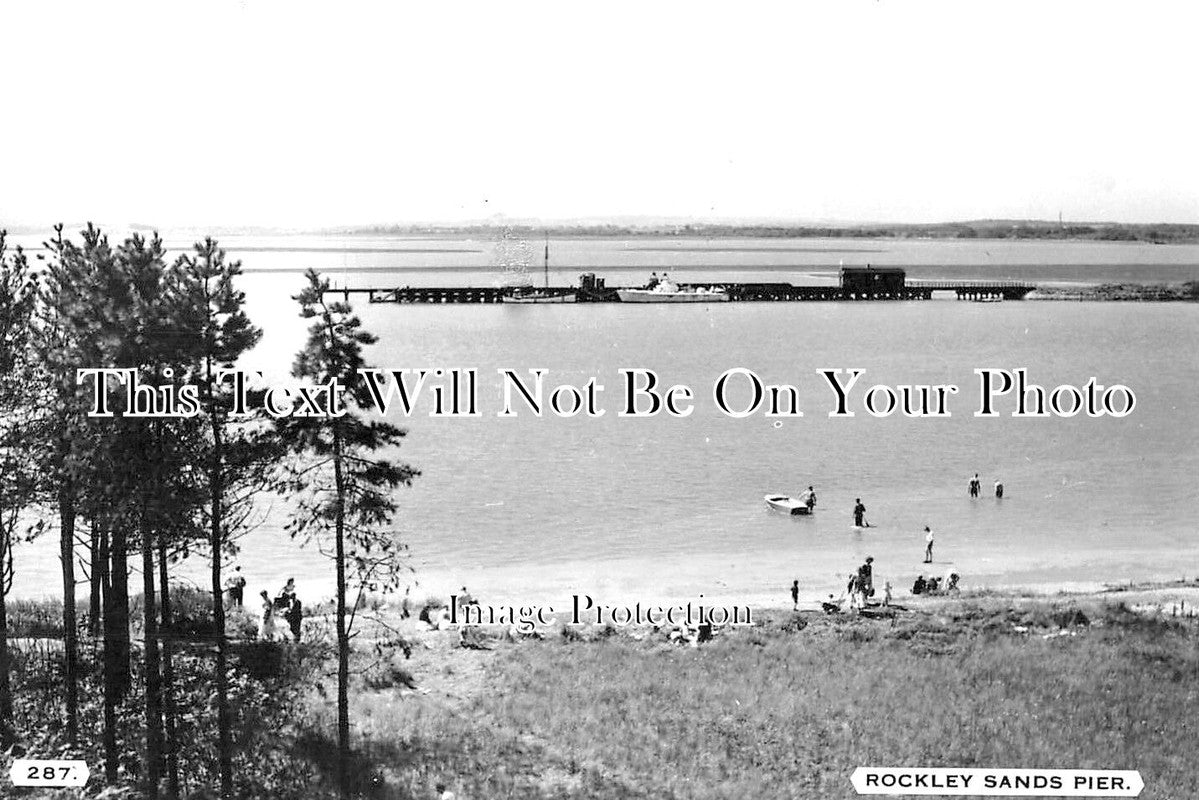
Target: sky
x=303 y=115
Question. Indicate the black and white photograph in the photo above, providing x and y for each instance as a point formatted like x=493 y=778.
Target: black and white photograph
x=677 y=401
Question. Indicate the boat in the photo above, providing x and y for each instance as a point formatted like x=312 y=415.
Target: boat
x=665 y=291
x=532 y=295
x=788 y=505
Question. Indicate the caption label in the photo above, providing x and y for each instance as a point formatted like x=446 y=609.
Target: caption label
x=943 y=782
x=46 y=772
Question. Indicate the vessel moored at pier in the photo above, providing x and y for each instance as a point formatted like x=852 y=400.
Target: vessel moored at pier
x=665 y=291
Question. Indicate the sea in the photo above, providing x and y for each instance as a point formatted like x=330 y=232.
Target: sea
x=530 y=508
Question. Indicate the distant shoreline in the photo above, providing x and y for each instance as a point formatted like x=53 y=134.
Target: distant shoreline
x=995 y=230
x=1007 y=230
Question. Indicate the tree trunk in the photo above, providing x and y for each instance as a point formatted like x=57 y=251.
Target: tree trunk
x=66 y=516
x=343 y=640
x=118 y=632
x=94 y=606
x=7 y=733
x=112 y=689
x=153 y=679
x=224 y=734
x=171 y=744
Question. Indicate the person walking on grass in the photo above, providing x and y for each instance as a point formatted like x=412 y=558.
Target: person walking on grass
x=795 y=595
x=928 y=545
x=266 y=629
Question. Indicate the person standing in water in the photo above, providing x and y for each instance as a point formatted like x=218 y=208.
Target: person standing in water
x=928 y=545
x=999 y=490
x=808 y=498
x=859 y=514
x=795 y=595
x=975 y=486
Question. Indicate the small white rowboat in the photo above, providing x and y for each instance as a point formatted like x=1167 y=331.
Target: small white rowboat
x=788 y=505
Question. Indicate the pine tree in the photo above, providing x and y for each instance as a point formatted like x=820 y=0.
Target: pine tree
x=238 y=455
x=346 y=489
x=22 y=399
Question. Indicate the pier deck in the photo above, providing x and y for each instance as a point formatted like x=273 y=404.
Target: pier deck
x=857 y=284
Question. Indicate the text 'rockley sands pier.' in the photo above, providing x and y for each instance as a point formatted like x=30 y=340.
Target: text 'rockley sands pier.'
x=856 y=283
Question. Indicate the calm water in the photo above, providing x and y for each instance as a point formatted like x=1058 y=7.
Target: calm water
x=526 y=507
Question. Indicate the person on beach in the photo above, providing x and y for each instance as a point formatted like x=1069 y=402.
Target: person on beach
x=866 y=577
x=808 y=498
x=405 y=606
x=920 y=585
x=795 y=595
x=975 y=485
x=853 y=589
x=464 y=600
x=266 y=628
x=928 y=545
x=951 y=582
x=294 y=616
x=286 y=595
x=859 y=514
x=998 y=490
x=236 y=587
x=887 y=593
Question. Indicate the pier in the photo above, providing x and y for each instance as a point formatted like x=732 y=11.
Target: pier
x=856 y=284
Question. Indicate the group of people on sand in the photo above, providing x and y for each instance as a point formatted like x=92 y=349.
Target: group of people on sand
x=934 y=585
x=285 y=604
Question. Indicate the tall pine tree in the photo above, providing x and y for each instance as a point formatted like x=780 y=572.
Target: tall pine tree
x=344 y=483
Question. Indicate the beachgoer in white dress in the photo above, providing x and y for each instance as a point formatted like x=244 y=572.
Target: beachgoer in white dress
x=266 y=629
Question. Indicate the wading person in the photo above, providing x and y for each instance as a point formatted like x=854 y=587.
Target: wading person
x=928 y=545
x=808 y=498
x=859 y=514
x=998 y=489
x=975 y=485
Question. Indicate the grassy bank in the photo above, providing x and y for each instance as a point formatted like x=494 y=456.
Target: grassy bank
x=790 y=708
x=786 y=708
x=1123 y=292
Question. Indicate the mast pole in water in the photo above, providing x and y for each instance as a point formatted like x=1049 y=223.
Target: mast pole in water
x=547 y=259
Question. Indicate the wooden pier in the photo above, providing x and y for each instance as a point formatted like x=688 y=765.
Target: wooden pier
x=428 y=294
x=982 y=291
x=856 y=283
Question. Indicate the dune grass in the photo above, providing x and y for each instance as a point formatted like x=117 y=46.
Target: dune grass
x=770 y=713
